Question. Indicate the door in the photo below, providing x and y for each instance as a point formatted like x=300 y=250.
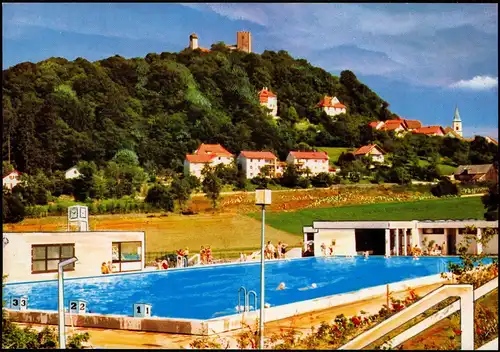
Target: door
x=452 y=242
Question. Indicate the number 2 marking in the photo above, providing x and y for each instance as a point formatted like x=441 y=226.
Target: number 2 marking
x=73 y=305
x=82 y=306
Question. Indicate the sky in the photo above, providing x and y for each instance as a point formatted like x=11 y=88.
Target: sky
x=423 y=59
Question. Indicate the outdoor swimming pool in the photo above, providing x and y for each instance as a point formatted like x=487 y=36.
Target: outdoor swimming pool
x=210 y=292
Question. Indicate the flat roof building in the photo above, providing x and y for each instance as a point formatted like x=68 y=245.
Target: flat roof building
x=394 y=237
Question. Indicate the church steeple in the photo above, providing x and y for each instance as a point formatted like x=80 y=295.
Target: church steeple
x=457 y=122
x=457 y=115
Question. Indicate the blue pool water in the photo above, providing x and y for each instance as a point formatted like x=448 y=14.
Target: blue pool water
x=209 y=292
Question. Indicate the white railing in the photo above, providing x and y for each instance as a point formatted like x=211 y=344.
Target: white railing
x=466 y=294
x=442 y=314
x=465 y=304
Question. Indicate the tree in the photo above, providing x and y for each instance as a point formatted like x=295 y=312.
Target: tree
x=82 y=185
x=126 y=157
x=12 y=208
x=444 y=188
x=290 y=177
x=161 y=197
x=490 y=202
x=212 y=186
x=181 y=191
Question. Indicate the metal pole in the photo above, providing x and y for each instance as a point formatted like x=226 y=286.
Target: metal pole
x=261 y=321
x=60 y=288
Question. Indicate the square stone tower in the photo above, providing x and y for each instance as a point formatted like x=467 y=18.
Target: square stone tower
x=244 y=41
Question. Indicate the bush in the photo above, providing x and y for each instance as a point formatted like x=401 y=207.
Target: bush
x=304 y=182
x=323 y=179
x=261 y=182
x=160 y=197
x=12 y=208
x=444 y=188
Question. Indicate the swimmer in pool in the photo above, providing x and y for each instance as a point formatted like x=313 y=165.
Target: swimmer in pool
x=313 y=285
x=281 y=286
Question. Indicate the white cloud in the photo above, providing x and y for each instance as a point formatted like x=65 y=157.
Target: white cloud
x=477 y=83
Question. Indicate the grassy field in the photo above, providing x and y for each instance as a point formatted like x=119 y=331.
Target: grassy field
x=334 y=153
x=439 y=209
x=444 y=169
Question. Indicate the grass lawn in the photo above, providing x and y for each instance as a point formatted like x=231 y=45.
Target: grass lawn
x=436 y=209
x=334 y=153
x=444 y=169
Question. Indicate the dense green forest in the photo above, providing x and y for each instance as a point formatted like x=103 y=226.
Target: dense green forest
x=59 y=112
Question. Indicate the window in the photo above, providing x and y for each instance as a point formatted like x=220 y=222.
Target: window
x=46 y=257
x=126 y=252
x=433 y=231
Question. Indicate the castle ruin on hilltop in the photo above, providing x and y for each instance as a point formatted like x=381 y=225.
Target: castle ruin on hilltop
x=243 y=42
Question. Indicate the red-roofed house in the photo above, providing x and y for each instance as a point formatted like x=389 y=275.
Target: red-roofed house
x=373 y=151
x=252 y=162
x=450 y=132
x=280 y=168
x=206 y=154
x=269 y=100
x=412 y=124
x=430 y=131
x=12 y=179
x=398 y=126
x=316 y=161
x=376 y=124
x=332 y=106
x=491 y=140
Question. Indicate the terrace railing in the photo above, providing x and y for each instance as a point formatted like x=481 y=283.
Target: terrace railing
x=465 y=305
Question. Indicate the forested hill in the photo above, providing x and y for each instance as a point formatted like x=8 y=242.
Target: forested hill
x=58 y=112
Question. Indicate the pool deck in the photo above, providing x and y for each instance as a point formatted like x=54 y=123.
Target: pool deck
x=108 y=338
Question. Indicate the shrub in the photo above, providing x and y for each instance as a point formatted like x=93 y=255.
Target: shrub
x=444 y=188
x=323 y=179
x=160 y=197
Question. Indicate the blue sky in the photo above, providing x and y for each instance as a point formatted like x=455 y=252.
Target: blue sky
x=421 y=58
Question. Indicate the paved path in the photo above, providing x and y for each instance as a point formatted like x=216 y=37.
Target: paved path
x=107 y=338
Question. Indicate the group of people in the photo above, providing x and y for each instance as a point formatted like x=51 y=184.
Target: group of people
x=107 y=268
x=271 y=252
x=328 y=250
x=206 y=255
x=182 y=257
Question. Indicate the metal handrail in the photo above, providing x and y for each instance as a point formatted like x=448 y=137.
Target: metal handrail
x=254 y=300
x=245 y=298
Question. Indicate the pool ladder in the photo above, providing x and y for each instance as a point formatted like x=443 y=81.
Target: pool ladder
x=246 y=298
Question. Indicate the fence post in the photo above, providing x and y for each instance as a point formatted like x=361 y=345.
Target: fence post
x=467 y=320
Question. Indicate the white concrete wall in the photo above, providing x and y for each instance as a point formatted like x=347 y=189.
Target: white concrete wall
x=331 y=111
x=345 y=241
x=91 y=249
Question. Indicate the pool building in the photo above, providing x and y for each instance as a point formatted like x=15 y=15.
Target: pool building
x=395 y=237
x=34 y=256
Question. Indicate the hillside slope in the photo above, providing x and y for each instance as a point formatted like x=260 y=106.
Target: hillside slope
x=58 y=112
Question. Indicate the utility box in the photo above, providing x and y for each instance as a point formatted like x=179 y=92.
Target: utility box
x=78 y=306
x=263 y=196
x=19 y=302
x=142 y=310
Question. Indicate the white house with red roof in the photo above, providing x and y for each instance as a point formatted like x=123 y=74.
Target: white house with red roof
x=332 y=106
x=12 y=179
x=430 y=131
x=206 y=154
x=269 y=100
x=316 y=161
x=252 y=162
x=373 y=151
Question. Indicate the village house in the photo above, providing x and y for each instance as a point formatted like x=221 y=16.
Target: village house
x=332 y=106
x=269 y=100
x=476 y=173
x=12 y=179
x=316 y=162
x=397 y=126
x=71 y=173
x=430 y=131
x=373 y=151
x=253 y=162
x=491 y=140
x=449 y=132
x=206 y=154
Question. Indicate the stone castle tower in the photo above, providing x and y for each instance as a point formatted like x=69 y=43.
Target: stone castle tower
x=193 y=41
x=244 y=41
x=457 y=123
